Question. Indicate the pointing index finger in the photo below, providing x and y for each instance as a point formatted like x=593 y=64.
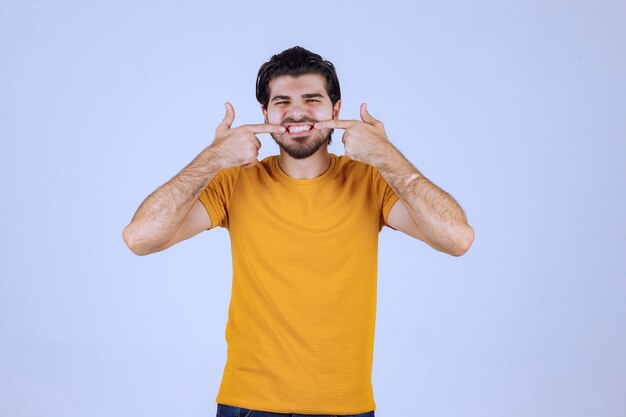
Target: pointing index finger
x=333 y=124
x=266 y=128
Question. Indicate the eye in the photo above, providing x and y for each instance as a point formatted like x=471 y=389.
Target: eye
x=281 y=102
x=314 y=100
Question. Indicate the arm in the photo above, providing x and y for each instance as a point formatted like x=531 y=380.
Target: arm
x=437 y=218
x=173 y=213
x=425 y=211
x=157 y=223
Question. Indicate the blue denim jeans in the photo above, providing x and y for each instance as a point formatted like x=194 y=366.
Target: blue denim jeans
x=224 y=410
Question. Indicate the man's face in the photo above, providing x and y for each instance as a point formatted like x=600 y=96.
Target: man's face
x=300 y=101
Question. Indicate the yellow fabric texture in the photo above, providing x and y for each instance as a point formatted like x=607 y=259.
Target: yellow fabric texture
x=300 y=330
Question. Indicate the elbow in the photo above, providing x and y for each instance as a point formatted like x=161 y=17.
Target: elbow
x=463 y=242
x=132 y=243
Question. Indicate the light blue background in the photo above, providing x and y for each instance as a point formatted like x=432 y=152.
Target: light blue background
x=517 y=109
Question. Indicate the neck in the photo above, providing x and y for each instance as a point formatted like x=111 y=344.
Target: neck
x=311 y=167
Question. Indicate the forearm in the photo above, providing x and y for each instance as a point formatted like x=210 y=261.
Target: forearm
x=160 y=215
x=439 y=217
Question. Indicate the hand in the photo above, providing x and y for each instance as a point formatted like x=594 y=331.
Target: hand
x=239 y=145
x=363 y=140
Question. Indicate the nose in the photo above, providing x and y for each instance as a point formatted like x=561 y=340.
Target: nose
x=297 y=112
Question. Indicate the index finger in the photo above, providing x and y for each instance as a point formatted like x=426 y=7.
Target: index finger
x=266 y=128
x=334 y=124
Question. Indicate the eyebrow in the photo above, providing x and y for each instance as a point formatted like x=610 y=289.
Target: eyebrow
x=311 y=95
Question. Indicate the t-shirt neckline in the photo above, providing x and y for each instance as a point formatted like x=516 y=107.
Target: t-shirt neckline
x=305 y=181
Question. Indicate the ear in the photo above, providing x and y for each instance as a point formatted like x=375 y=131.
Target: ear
x=336 y=109
x=264 y=111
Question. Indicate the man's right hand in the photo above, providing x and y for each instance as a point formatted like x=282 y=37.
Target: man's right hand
x=239 y=145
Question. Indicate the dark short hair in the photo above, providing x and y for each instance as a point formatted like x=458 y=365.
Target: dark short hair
x=294 y=62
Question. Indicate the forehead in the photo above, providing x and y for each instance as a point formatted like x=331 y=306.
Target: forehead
x=288 y=85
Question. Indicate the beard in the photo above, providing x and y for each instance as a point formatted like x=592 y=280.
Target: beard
x=302 y=147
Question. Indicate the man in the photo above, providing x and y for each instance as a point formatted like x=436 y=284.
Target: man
x=304 y=228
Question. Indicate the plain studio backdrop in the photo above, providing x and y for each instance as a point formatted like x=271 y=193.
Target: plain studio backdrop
x=517 y=109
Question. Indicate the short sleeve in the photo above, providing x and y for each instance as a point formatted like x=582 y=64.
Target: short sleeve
x=385 y=196
x=216 y=196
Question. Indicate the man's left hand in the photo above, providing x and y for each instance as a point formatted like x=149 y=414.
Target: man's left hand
x=364 y=140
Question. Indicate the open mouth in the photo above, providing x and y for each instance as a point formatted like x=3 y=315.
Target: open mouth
x=299 y=128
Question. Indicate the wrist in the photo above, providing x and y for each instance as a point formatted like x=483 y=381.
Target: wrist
x=385 y=156
x=211 y=157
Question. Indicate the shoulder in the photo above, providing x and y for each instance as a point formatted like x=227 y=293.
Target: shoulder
x=352 y=167
x=227 y=174
x=266 y=163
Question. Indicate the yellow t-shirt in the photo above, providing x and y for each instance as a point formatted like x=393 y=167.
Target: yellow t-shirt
x=300 y=331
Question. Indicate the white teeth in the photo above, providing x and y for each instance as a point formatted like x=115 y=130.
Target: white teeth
x=296 y=129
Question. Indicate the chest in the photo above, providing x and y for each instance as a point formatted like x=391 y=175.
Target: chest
x=339 y=210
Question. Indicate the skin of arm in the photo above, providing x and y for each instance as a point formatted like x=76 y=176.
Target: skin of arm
x=160 y=215
x=439 y=218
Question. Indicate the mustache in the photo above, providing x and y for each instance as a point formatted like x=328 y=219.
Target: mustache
x=305 y=120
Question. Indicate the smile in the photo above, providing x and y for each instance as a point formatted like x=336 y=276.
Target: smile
x=299 y=127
